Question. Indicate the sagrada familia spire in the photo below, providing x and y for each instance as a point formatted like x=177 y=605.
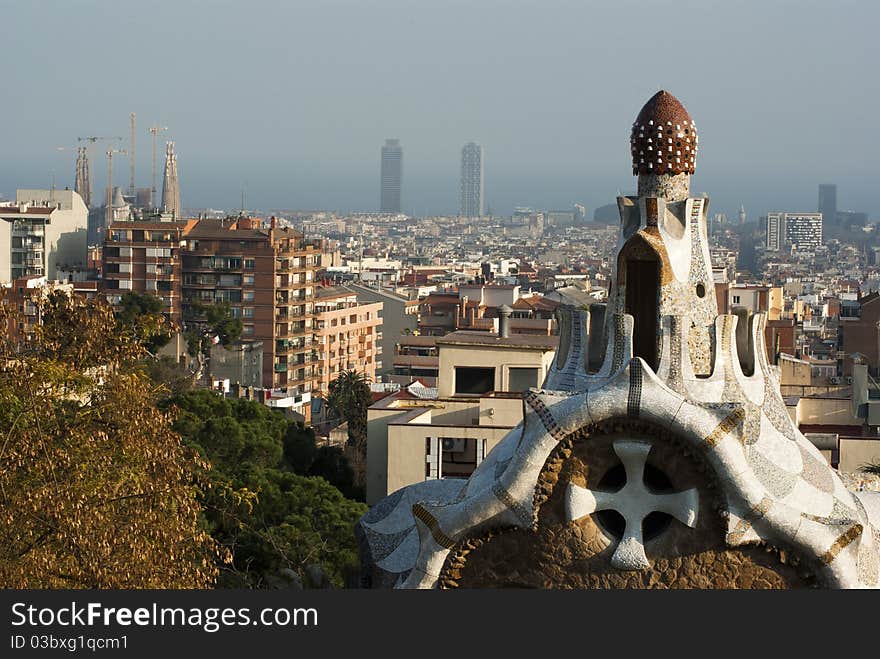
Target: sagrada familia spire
x=658 y=453
x=170 y=184
x=81 y=182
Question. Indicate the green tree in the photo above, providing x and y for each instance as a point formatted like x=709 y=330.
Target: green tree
x=331 y=464
x=140 y=314
x=218 y=322
x=300 y=448
x=271 y=518
x=168 y=372
x=296 y=521
x=96 y=489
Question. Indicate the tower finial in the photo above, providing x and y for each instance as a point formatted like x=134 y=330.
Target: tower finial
x=663 y=144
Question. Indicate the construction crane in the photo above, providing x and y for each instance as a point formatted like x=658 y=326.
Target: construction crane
x=110 y=153
x=131 y=190
x=91 y=140
x=154 y=131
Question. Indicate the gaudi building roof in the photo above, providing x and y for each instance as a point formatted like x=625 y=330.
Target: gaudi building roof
x=659 y=452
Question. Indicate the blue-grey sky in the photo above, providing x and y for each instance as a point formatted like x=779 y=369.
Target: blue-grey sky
x=296 y=98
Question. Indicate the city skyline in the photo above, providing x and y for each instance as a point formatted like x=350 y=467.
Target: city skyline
x=539 y=114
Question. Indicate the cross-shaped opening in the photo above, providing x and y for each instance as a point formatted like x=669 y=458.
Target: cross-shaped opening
x=635 y=501
x=613 y=523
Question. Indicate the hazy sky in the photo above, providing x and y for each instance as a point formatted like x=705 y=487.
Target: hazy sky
x=296 y=98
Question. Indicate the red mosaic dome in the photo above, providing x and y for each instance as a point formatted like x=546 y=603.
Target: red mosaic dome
x=664 y=137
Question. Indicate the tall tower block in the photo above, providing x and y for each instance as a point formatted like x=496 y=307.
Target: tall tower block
x=471 y=199
x=392 y=175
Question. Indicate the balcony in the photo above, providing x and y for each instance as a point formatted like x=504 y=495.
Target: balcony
x=280 y=368
x=28 y=230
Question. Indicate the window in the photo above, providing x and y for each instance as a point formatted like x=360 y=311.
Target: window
x=473 y=380
x=230 y=280
x=247 y=280
x=248 y=330
x=227 y=296
x=247 y=312
x=521 y=379
x=736 y=299
x=247 y=296
x=249 y=264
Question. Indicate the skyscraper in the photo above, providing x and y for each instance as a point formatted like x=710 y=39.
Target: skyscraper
x=392 y=172
x=471 y=198
x=828 y=203
x=170 y=184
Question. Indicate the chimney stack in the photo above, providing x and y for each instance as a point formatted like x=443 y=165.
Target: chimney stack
x=504 y=312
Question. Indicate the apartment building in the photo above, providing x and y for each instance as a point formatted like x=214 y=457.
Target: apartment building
x=347 y=336
x=268 y=278
x=418 y=434
x=144 y=257
x=803 y=231
x=42 y=230
x=25 y=296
